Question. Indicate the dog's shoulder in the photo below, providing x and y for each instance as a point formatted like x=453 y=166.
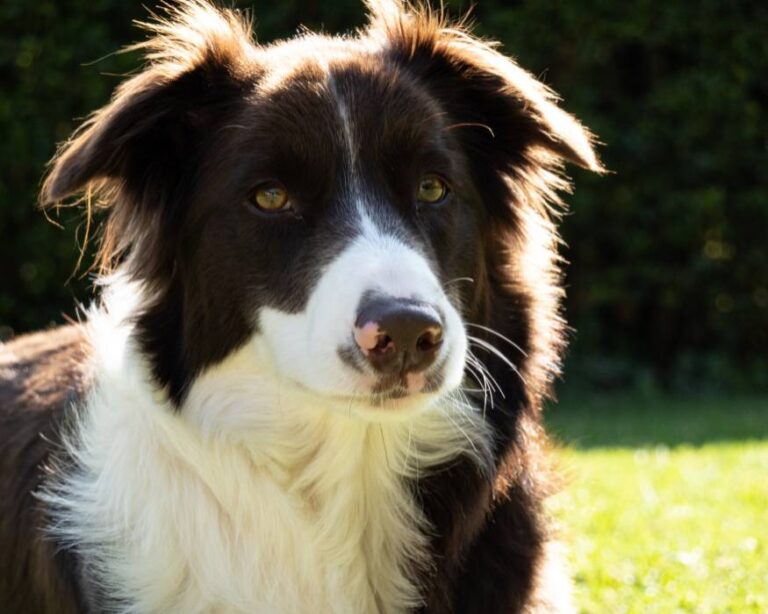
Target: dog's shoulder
x=33 y=367
x=42 y=377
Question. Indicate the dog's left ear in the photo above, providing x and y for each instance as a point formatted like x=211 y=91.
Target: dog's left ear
x=150 y=130
x=481 y=88
x=140 y=153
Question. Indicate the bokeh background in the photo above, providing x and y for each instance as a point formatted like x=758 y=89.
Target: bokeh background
x=664 y=417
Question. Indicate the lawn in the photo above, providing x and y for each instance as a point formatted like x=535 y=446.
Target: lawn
x=666 y=505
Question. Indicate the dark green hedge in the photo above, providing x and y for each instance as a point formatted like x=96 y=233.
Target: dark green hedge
x=669 y=273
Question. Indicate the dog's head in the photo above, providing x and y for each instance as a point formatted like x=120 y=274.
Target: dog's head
x=343 y=206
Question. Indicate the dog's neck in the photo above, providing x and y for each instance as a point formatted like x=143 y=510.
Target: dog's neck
x=249 y=493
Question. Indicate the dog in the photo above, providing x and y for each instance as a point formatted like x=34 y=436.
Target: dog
x=329 y=316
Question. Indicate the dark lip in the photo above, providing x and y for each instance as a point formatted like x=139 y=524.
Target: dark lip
x=397 y=392
x=380 y=400
x=392 y=385
x=390 y=388
x=375 y=399
x=396 y=386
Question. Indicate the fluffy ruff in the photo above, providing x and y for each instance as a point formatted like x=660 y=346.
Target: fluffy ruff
x=257 y=498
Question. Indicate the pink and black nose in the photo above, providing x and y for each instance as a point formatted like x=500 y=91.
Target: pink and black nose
x=398 y=335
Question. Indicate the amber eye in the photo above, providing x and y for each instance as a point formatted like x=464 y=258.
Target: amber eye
x=271 y=196
x=431 y=190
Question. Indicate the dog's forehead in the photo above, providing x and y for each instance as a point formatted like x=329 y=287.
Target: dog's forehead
x=332 y=84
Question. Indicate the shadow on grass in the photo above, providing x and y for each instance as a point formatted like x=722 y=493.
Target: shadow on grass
x=607 y=421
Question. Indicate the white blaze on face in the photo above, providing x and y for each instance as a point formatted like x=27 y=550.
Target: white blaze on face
x=305 y=346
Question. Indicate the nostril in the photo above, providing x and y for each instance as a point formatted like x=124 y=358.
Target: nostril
x=429 y=340
x=383 y=345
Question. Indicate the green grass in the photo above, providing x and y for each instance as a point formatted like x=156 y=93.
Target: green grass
x=666 y=507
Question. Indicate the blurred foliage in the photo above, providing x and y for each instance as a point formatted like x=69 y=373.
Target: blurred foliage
x=669 y=256
x=668 y=281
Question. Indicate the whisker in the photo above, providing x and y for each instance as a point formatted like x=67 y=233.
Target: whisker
x=463 y=432
x=458 y=279
x=485 y=379
x=500 y=336
x=494 y=350
x=476 y=370
x=484 y=370
x=471 y=125
x=409 y=453
x=490 y=379
x=384 y=446
x=463 y=402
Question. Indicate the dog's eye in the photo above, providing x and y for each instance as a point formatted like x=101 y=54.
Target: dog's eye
x=271 y=196
x=431 y=190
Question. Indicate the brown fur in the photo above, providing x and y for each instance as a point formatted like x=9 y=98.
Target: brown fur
x=42 y=377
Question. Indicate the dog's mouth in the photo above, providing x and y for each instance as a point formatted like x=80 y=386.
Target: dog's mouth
x=387 y=396
x=401 y=385
x=393 y=404
x=401 y=394
x=395 y=383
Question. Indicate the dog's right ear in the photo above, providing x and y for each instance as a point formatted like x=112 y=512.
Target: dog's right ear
x=143 y=139
x=515 y=117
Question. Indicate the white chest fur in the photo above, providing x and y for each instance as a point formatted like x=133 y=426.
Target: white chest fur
x=251 y=499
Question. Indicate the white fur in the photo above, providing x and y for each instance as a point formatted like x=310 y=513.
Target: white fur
x=257 y=497
x=305 y=345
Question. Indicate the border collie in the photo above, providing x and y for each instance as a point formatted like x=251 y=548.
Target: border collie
x=328 y=319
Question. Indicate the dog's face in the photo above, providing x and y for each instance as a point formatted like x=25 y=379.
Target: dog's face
x=331 y=201
x=341 y=216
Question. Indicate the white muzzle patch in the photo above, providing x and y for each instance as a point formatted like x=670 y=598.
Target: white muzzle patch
x=306 y=346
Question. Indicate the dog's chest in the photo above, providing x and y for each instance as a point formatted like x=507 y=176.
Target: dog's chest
x=301 y=545
x=320 y=523
x=336 y=531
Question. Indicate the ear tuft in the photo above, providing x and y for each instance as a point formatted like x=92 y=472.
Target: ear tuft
x=568 y=138
x=192 y=32
x=383 y=14
x=410 y=26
